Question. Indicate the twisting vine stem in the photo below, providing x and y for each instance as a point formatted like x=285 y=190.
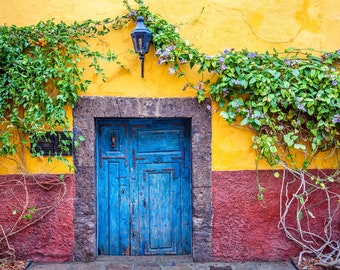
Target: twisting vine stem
x=25 y=214
x=296 y=194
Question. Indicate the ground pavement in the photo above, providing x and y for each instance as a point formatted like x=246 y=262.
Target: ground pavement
x=159 y=263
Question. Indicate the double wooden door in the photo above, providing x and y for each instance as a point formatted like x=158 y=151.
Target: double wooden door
x=143 y=186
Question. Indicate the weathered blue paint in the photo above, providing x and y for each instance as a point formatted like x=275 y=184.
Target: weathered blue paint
x=144 y=186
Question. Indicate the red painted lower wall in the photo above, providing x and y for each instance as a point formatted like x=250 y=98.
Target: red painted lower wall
x=245 y=229
x=52 y=237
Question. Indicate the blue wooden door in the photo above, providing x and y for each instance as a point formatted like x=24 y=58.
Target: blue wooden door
x=143 y=186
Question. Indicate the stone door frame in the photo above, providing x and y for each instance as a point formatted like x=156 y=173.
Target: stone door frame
x=85 y=114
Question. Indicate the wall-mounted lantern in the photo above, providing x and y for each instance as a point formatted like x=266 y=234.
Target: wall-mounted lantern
x=141 y=38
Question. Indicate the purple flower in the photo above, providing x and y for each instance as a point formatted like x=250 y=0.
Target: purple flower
x=208 y=107
x=159 y=52
x=336 y=118
x=251 y=55
x=208 y=57
x=237 y=82
x=287 y=62
x=226 y=51
x=280 y=127
x=223 y=67
x=166 y=53
x=132 y=13
x=221 y=60
x=183 y=61
x=301 y=107
x=335 y=83
x=338 y=51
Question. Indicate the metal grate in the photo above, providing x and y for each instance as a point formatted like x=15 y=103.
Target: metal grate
x=53 y=144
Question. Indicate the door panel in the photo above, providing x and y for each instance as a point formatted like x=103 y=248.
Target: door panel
x=144 y=186
x=159 y=207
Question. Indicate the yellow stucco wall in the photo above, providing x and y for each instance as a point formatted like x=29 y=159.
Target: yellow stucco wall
x=212 y=26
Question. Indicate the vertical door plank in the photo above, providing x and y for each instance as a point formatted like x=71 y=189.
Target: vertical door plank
x=103 y=210
x=113 y=207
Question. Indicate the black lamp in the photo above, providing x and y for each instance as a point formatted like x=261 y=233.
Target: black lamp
x=141 y=38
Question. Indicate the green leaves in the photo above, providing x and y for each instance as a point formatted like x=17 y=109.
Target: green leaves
x=292 y=98
x=30 y=213
x=266 y=148
x=290 y=138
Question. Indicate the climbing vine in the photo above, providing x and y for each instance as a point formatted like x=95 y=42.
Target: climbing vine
x=40 y=77
x=290 y=100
